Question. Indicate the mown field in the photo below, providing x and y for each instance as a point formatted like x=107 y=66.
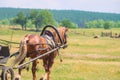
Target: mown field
x=86 y=58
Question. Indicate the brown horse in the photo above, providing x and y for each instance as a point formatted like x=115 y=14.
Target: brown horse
x=33 y=45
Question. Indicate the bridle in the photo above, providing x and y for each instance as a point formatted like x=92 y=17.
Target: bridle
x=65 y=40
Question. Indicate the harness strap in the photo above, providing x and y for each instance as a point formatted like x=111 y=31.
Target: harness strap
x=50 y=41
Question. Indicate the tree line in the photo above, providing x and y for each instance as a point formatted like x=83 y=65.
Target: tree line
x=69 y=18
x=37 y=19
x=102 y=24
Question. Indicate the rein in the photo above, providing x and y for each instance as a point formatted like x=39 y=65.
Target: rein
x=5 y=42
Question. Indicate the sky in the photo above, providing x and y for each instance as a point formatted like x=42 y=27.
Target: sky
x=108 y=6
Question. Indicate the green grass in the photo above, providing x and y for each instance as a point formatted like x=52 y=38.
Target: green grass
x=79 y=70
x=85 y=58
x=86 y=44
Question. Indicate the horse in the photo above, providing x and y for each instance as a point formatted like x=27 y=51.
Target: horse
x=33 y=45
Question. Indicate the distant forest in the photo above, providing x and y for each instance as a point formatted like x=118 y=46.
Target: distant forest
x=76 y=16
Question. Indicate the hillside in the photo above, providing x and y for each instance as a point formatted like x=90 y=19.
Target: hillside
x=76 y=16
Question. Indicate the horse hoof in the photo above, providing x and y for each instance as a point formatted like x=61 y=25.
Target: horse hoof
x=18 y=77
x=41 y=78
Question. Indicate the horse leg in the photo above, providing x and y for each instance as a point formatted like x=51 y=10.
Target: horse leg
x=20 y=69
x=44 y=65
x=47 y=65
x=34 y=68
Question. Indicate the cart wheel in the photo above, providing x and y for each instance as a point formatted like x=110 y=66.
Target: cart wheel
x=7 y=74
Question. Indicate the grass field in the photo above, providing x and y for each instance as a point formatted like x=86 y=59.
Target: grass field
x=85 y=58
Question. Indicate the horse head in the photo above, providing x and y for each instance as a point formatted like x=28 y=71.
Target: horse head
x=63 y=35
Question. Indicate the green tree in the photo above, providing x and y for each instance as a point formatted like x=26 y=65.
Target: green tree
x=34 y=18
x=95 y=24
x=112 y=24
x=5 y=22
x=88 y=24
x=67 y=23
x=21 y=20
x=29 y=24
x=91 y=24
x=46 y=18
x=107 y=25
x=100 y=23
x=118 y=24
x=42 y=18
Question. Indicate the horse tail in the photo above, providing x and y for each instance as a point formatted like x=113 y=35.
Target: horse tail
x=22 y=52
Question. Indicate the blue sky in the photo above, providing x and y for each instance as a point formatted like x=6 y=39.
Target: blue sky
x=112 y=6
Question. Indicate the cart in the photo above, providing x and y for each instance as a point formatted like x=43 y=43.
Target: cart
x=7 y=72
